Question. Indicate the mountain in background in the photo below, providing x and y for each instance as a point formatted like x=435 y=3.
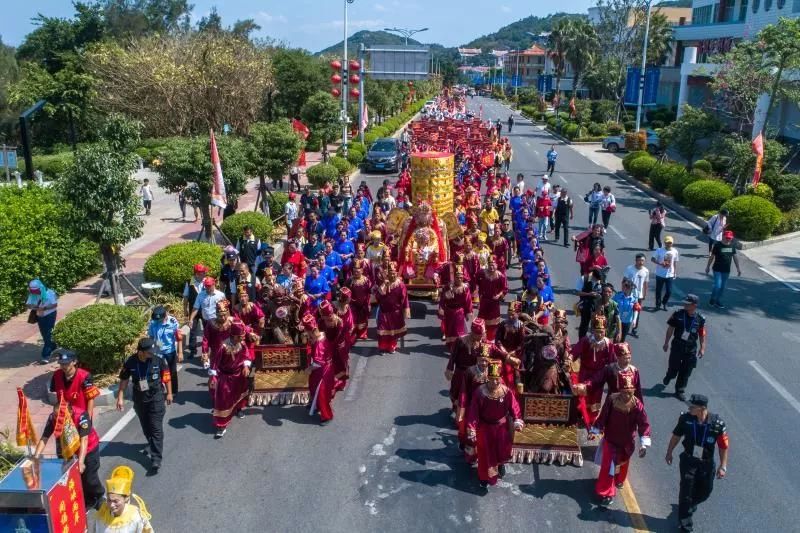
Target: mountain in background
x=514 y=35
x=368 y=38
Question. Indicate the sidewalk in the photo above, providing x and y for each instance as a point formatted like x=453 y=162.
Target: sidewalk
x=20 y=342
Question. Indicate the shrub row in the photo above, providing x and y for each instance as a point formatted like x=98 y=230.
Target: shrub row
x=52 y=166
x=233 y=226
x=320 y=173
x=173 y=265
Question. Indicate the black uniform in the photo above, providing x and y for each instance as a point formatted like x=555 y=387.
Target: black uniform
x=93 y=489
x=148 y=380
x=683 y=351
x=697 y=466
x=561 y=218
x=249 y=249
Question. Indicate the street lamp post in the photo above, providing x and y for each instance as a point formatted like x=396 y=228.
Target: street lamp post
x=516 y=81
x=644 y=66
x=405 y=32
x=345 y=74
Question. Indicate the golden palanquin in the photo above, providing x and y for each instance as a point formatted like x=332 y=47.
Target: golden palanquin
x=432 y=180
x=280 y=376
x=548 y=436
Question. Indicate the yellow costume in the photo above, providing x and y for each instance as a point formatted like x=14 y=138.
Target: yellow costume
x=133 y=519
x=488 y=218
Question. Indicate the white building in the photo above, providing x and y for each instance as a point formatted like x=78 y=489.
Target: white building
x=716 y=26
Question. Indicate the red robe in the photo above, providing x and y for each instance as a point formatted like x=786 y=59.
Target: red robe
x=321 y=381
x=612 y=376
x=455 y=304
x=297 y=260
x=499 y=247
x=473 y=380
x=392 y=306
x=251 y=320
x=213 y=337
x=472 y=267
x=229 y=369
x=492 y=418
x=512 y=340
x=619 y=441
x=593 y=359
x=337 y=338
x=360 y=305
x=489 y=304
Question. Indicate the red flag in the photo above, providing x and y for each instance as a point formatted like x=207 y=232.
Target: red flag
x=218 y=197
x=26 y=433
x=300 y=128
x=572 y=107
x=758 y=149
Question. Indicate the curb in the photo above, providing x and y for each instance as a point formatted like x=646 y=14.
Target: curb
x=695 y=219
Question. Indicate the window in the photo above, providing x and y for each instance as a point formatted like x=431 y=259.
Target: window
x=755 y=5
x=702 y=15
x=767 y=5
x=743 y=11
x=781 y=3
x=796 y=6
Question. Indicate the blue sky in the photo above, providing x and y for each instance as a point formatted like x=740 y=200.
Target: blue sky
x=316 y=24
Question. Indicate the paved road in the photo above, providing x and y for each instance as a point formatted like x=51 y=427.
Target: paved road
x=389 y=461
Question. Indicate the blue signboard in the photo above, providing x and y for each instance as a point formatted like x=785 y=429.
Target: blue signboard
x=651 y=78
x=9 y=160
x=516 y=81
x=632 y=86
x=544 y=84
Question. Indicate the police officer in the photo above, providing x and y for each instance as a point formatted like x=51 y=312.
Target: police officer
x=687 y=329
x=151 y=376
x=165 y=331
x=700 y=431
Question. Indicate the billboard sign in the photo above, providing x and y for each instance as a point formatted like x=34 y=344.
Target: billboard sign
x=399 y=62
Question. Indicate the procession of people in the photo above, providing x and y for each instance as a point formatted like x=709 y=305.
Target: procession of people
x=346 y=276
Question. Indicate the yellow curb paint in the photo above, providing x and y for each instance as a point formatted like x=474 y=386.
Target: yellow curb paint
x=632 y=506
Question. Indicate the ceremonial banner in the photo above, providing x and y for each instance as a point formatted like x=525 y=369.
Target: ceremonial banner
x=26 y=433
x=218 y=197
x=758 y=149
x=304 y=132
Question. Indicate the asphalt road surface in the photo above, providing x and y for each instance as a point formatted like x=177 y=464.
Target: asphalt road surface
x=389 y=461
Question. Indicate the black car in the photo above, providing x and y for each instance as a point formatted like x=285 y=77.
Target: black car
x=384 y=154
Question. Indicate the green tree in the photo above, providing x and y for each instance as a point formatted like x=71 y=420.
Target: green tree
x=135 y=18
x=273 y=149
x=187 y=161
x=582 y=48
x=103 y=204
x=659 y=40
x=685 y=134
x=298 y=75
x=557 y=48
x=9 y=73
x=321 y=114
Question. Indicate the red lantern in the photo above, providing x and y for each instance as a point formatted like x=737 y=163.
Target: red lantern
x=355 y=78
x=336 y=92
x=336 y=64
x=354 y=92
x=354 y=65
x=336 y=78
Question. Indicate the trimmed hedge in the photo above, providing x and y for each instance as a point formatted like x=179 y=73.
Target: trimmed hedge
x=52 y=166
x=707 y=194
x=343 y=166
x=752 y=218
x=172 y=265
x=277 y=204
x=762 y=190
x=320 y=173
x=355 y=158
x=661 y=175
x=702 y=164
x=101 y=335
x=35 y=242
x=233 y=226
x=641 y=166
x=615 y=128
x=570 y=130
x=786 y=189
x=678 y=182
x=631 y=156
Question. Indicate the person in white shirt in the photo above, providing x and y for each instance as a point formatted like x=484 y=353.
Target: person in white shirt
x=555 y=194
x=147 y=196
x=608 y=204
x=43 y=304
x=520 y=182
x=666 y=261
x=543 y=186
x=715 y=226
x=292 y=211
x=638 y=274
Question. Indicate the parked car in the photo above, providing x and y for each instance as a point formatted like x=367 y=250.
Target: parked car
x=616 y=143
x=384 y=154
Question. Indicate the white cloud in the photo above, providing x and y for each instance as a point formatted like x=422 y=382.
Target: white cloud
x=268 y=18
x=379 y=7
x=505 y=9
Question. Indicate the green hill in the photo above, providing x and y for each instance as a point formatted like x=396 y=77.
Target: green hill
x=368 y=38
x=514 y=35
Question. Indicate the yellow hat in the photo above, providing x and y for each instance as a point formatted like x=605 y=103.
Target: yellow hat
x=376 y=234
x=495 y=369
x=668 y=239
x=121 y=481
x=482 y=237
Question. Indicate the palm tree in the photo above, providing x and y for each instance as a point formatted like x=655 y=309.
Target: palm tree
x=557 y=50
x=582 y=47
x=659 y=42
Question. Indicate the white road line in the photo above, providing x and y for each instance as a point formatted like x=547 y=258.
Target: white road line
x=563 y=178
x=527 y=143
x=355 y=380
x=778 y=278
x=615 y=230
x=116 y=428
x=536 y=152
x=775 y=385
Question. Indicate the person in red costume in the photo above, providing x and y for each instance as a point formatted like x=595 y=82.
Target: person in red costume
x=321 y=381
x=492 y=288
x=361 y=290
x=476 y=376
x=623 y=418
x=249 y=313
x=296 y=258
x=510 y=338
x=594 y=351
x=499 y=247
x=464 y=354
x=228 y=378
x=345 y=312
x=615 y=374
x=455 y=305
x=393 y=310
x=492 y=411
x=215 y=332
x=74 y=383
x=331 y=326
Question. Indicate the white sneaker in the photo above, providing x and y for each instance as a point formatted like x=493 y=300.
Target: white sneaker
x=206 y=365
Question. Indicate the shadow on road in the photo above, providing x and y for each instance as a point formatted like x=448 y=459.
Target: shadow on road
x=276 y=416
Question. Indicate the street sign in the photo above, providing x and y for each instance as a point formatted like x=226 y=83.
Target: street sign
x=8 y=157
x=632 y=86
x=399 y=62
x=544 y=84
x=516 y=81
x=652 y=76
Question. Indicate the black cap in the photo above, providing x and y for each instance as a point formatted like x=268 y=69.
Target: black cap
x=159 y=312
x=64 y=356
x=146 y=345
x=698 y=400
x=691 y=299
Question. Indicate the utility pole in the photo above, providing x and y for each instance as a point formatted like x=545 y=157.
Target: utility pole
x=644 y=66
x=345 y=74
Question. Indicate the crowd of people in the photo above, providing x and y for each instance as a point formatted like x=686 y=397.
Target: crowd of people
x=341 y=262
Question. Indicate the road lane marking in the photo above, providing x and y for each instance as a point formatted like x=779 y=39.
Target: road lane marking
x=778 y=278
x=118 y=426
x=361 y=366
x=632 y=505
x=615 y=230
x=775 y=385
x=536 y=152
x=563 y=178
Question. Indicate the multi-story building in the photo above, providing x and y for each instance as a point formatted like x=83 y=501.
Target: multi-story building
x=532 y=62
x=717 y=25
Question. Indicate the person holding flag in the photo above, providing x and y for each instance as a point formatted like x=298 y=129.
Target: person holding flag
x=218 y=196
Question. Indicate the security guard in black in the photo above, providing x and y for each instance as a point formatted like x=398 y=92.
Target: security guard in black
x=701 y=432
x=151 y=377
x=687 y=329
